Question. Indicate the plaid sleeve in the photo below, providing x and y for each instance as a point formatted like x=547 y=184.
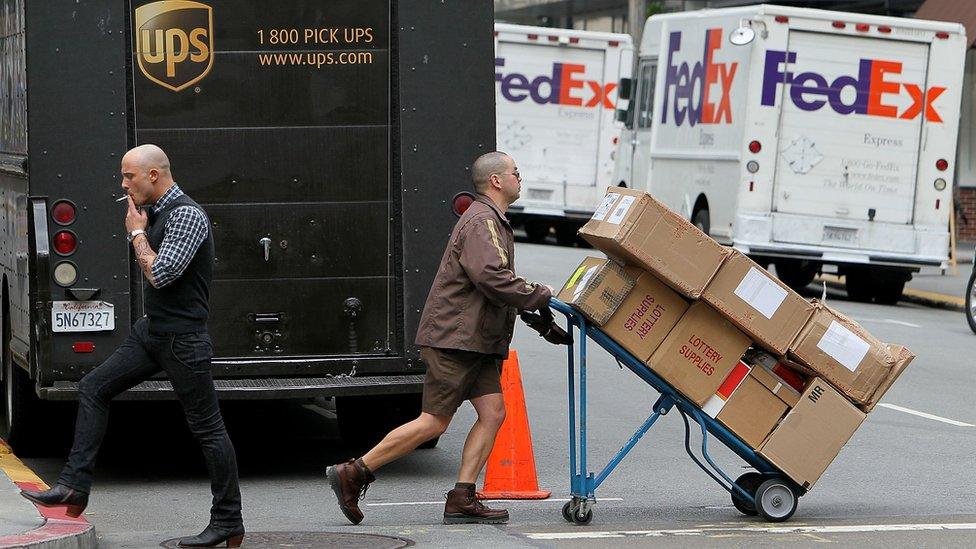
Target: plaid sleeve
x=186 y=229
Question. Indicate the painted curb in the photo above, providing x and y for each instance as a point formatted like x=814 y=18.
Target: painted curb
x=59 y=531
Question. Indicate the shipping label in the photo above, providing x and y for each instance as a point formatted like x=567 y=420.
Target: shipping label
x=761 y=293
x=843 y=345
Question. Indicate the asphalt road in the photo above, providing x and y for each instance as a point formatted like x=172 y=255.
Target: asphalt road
x=904 y=480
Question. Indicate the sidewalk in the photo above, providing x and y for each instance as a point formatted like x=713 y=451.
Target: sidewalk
x=22 y=524
x=931 y=287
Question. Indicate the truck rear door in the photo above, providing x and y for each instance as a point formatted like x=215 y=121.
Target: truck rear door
x=849 y=131
x=277 y=121
x=549 y=117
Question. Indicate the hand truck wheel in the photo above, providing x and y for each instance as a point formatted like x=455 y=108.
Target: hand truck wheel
x=750 y=483
x=568 y=511
x=775 y=500
x=582 y=517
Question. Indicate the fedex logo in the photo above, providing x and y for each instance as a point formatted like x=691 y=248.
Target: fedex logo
x=810 y=91
x=706 y=77
x=563 y=86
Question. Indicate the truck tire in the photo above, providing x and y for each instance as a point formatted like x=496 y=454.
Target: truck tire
x=971 y=301
x=566 y=233
x=536 y=230
x=796 y=273
x=888 y=292
x=365 y=420
x=702 y=220
x=21 y=407
x=883 y=286
x=858 y=285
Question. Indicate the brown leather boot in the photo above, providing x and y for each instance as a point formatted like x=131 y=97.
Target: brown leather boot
x=349 y=481
x=463 y=507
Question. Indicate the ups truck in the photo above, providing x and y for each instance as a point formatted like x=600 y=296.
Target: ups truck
x=321 y=137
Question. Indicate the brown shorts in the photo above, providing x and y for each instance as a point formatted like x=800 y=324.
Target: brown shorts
x=455 y=376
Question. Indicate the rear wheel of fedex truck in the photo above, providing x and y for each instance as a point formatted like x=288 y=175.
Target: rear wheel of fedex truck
x=878 y=284
x=536 y=230
x=702 y=220
x=566 y=233
x=365 y=420
x=796 y=273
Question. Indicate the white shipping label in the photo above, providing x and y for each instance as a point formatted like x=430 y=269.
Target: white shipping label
x=584 y=280
x=761 y=292
x=620 y=212
x=843 y=345
x=601 y=213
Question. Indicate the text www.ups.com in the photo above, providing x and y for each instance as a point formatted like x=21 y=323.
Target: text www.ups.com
x=315 y=59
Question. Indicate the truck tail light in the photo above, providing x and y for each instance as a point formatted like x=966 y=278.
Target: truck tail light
x=461 y=202
x=838 y=24
x=940 y=184
x=63 y=212
x=65 y=273
x=782 y=19
x=884 y=29
x=83 y=347
x=574 y=39
x=65 y=242
x=752 y=166
x=941 y=164
x=942 y=34
x=861 y=27
x=755 y=147
x=613 y=43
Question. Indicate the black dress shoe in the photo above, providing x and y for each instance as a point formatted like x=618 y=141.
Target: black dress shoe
x=212 y=536
x=74 y=500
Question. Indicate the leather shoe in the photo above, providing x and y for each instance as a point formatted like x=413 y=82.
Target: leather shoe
x=74 y=500
x=212 y=536
x=350 y=481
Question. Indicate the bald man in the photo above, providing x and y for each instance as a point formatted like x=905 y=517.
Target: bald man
x=464 y=333
x=175 y=253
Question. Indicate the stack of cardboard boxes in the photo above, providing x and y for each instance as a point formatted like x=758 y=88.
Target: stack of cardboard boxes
x=792 y=378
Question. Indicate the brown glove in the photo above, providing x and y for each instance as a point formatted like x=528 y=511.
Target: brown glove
x=544 y=323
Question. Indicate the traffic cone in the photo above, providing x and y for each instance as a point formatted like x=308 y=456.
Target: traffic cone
x=511 y=465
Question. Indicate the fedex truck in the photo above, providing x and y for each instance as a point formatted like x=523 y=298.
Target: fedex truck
x=812 y=140
x=555 y=94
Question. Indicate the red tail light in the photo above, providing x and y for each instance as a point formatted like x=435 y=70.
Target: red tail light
x=755 y=147
x=554 y=39
x=63 y=212
x=574 y=40
x=862 y=27
x=83 y=347
x=782 y=19
x=942 y=35
x=461 y=202
x=65 y=242
x=884 y=28
x=838 y=24
x=613 y=43
x=941 y=164
x=533 y=37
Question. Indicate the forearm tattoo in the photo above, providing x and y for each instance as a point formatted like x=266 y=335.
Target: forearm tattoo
x=146 y=256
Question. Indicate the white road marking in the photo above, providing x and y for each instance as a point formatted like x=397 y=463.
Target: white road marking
x=889 y=321
x=926 y=416
x=846 y=529
x=507 y=501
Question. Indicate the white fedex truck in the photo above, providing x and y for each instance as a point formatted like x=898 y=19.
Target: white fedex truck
x=813 y=140
x=555 y=95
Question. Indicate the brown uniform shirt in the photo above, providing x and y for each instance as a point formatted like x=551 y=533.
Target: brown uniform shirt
x=476 y=295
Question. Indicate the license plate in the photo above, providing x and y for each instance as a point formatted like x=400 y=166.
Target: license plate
x=540 y=194
x=82 y=316
x=840 y=235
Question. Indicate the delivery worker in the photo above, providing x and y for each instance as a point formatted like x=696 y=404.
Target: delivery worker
x=464 y=333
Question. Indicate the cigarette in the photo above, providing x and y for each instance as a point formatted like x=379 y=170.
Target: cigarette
x=122 y=198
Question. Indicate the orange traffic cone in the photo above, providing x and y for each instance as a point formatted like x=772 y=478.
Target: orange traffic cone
x=511 y=465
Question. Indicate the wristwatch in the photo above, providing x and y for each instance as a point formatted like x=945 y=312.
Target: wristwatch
x=133 y=234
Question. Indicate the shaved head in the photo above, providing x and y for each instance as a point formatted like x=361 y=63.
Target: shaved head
x=488 y=164
x=148 y=157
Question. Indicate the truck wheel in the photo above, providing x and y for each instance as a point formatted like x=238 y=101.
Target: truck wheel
x=21 y=408
x=859 y=286
x=702 y=220
x=536 y=230
x=566 y=233
x=888 y=292
x=971 y=301
x=796 y=273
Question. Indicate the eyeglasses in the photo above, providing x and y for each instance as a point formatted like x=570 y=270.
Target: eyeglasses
x=515 y=173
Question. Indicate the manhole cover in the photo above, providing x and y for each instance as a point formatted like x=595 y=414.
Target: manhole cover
x=314 y=540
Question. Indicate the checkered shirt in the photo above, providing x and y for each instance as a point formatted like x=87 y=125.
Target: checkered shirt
x=186 y=229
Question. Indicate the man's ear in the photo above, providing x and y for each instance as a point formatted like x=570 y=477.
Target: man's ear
x=153 y=175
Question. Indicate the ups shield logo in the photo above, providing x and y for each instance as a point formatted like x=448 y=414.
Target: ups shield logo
x=174 y=42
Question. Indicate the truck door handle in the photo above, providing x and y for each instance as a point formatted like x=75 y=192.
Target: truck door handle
x=266 y=243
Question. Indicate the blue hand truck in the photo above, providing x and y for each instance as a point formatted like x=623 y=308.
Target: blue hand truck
x=767 y=491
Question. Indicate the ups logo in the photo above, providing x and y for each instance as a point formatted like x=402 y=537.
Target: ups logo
x=174 y=42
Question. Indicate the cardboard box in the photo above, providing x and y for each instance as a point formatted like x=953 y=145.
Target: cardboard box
x=636 y=229
x=839 y=350
x=646 y=316
x=750 y=402
x=596 y=288
x=758 y=303
x=699 y=352
x=812 y=433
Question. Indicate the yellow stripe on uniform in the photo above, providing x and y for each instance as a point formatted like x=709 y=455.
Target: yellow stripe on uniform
x=502 y=254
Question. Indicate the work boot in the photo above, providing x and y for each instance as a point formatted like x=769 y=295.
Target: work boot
x=59 y=495
x=349 y=481
x=463 y=507
x=213 y=536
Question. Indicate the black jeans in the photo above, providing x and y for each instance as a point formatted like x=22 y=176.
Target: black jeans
x=186 y=360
